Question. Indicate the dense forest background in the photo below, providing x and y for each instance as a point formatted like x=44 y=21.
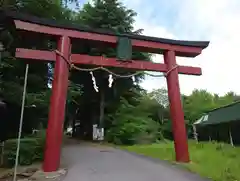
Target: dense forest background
x=129 y=113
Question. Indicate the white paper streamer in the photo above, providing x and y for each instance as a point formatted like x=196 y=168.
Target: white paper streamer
x=110 y=80
x=94 y=82
x=134 y=80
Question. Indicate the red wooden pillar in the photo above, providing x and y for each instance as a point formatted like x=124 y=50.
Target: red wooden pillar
x=177 y=115
x=57 y=108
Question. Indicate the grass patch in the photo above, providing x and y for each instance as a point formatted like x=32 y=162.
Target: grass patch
x=217 y=161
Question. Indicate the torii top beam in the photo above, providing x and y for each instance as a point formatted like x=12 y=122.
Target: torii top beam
x=142 y=43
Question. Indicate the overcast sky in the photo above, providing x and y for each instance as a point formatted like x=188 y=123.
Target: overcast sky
x=215 y=20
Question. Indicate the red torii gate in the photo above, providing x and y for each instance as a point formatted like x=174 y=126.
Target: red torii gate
x=65 y=33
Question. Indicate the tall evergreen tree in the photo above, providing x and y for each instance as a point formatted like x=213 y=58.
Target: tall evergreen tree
x=12 y=70
x=113 y=16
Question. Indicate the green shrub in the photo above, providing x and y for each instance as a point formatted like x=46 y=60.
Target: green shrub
x=131 y=125
x=131 y=130
x=31 y=150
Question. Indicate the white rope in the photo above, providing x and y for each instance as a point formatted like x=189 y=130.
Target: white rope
x=106 y=70
x=21 y=123
x=123 y=76
x=110 y=72
x=110 y=78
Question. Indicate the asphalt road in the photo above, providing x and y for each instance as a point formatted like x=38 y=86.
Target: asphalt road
x=86 y=162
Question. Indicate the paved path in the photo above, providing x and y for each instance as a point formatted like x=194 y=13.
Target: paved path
x=96 y=163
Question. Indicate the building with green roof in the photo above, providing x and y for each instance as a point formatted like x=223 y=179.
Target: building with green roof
x=220 y=124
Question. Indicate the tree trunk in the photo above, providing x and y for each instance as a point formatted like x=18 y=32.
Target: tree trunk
x=102 y=108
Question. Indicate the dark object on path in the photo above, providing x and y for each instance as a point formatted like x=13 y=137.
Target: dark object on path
x=2 y=104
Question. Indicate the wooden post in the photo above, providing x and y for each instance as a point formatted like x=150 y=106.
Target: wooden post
x=195 y=134
x=230 y=136
x=210 y=139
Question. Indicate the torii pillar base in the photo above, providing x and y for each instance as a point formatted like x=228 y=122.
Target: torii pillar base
x=177 y=115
